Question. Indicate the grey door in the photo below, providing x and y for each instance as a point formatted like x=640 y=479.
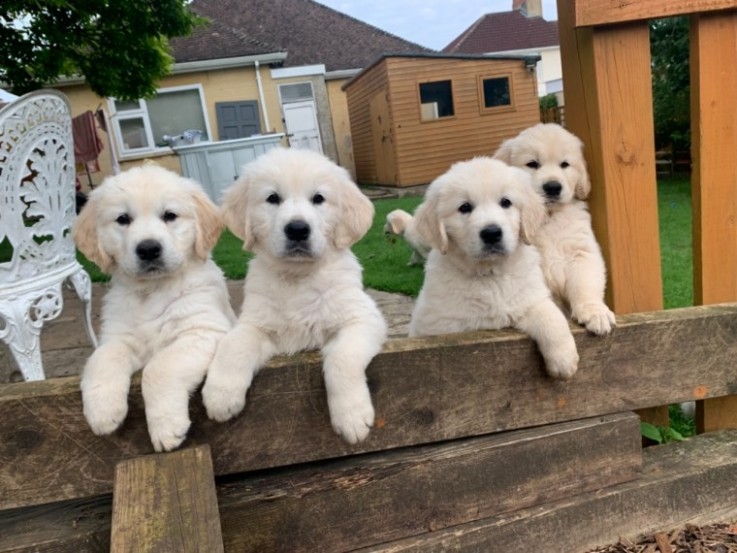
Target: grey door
x=237 y=119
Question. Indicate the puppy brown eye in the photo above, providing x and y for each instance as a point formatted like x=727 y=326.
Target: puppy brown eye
x=123 y=219
x=465 y=208
x=533 y=164
x=169 y=216
x=505 y=203
x=318 y=198
x=564 y=165
x=274 y=199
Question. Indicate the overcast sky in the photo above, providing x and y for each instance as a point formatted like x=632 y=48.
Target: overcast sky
x=430 y=23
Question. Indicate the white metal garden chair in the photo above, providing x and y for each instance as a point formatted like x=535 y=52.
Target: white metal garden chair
x=37 y=207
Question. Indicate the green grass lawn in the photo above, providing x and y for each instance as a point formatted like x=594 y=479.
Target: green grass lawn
x=384 y=257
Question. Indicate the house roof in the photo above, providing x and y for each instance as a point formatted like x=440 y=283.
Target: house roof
x=310 y=32
x=504 y=32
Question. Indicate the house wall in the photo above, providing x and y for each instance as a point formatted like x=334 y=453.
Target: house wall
x=218 y=86
x=341 y=124
x=425 y=149
x=359 y=94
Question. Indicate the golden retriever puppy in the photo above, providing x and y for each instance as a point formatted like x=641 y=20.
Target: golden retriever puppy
x=401 y=223
x=300 y=213
x=167 y=306
x=482 y=272
x=572 y=262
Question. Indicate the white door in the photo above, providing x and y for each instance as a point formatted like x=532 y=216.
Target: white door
x=300 y=119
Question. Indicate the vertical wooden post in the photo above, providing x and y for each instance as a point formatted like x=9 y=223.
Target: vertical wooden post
x=607 y=84
x=713 y=63
x=166 y=502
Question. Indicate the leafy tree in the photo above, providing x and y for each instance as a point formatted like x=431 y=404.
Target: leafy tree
x=671 y=85
x=119 y=46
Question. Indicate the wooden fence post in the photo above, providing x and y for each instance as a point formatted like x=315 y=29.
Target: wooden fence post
x=608 y=90
x=713 y=63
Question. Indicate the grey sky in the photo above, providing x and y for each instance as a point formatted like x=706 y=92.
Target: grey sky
x=431 y=23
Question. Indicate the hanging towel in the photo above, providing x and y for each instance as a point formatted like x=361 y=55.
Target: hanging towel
x=87 y=145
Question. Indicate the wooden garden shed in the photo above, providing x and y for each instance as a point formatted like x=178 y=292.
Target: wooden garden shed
x=413 y=115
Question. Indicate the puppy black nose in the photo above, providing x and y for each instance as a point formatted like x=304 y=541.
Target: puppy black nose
x=552 y=189
x=148 y=250
x=491 y=234
x=297 y=230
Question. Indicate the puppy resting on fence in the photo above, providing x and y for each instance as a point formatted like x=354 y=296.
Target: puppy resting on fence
x=482 y=272
x=572 y=262
x=167 y=306
x=300 y=213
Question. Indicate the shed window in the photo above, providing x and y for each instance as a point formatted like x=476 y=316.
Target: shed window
x=496 y=92
x=436 y=100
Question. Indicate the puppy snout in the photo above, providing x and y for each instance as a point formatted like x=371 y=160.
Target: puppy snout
x=297 y=231
x=491 y=234
x=552 y=189
x=148 y=250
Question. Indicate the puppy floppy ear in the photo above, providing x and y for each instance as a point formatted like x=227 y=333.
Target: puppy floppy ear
x=356 y=214
x=397 y=221
x=504 y=153
x=583 y=186
x=533 y=214
x=209 y=225
x=428 y=223
x=233 y=211
x=86 y=238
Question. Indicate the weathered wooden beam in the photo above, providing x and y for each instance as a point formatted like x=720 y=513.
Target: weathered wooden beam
x=605 y=12
x=165 y=503
x=375 y=498
x=691 y=481
x=368 y=499
x=424 y=390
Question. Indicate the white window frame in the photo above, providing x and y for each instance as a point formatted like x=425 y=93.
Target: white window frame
x=142 y=113
x=312 y=92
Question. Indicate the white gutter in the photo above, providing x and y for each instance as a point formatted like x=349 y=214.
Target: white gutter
x=203 y=65
x=261 y=98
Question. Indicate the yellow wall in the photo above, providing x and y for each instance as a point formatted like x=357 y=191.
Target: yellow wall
x=341 y=124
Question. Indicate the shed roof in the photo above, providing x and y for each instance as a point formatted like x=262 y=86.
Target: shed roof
x=310 y=32
x=504 y=32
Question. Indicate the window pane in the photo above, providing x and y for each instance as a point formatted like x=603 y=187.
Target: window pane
x=173 y=113
x=496 y=92
x=295 y=92
x=436 y=100
x=133 y=132
x=127 y=105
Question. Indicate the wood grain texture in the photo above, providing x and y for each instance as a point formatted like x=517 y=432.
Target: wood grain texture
x=603 y=12
x=164 y=503
x=713 y=63
x=692 y=481
x=606 y=75
x=424 y=391
x=369 y=499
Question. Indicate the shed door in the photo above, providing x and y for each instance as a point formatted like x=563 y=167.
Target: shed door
x=237 y=119
x=383 y=140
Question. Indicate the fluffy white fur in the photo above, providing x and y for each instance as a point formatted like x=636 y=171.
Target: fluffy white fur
x=482 y=273
x=402 y=224
x=571 y=258
x=304 y=288
x=167 y=306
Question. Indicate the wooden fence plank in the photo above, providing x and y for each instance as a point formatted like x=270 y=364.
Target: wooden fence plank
x=713 y=43
x=607 y=74
x=692 y=481
x=606 y=12
x=372 y=499
x=165 y=503
x=424 y=390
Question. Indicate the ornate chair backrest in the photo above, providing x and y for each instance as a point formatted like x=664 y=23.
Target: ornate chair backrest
x=37 y=188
